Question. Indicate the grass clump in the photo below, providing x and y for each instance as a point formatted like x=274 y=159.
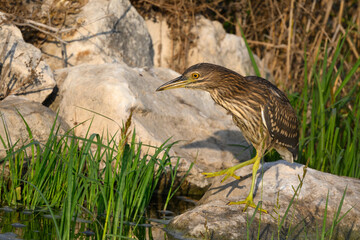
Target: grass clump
x=110 y=182
x=329 y=110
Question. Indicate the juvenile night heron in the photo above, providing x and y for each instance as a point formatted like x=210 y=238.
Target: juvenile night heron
x=261 y=111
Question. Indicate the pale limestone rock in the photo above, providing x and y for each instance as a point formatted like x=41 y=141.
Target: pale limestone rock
x=163 y=46
x=214 y=216
x=212 y=44
x=40 y=119
x=109 y=31
x=204 y=129
x=22 y=71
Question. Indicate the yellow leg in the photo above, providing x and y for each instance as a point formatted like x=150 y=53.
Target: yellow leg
x=249 y=202
x=229 y=172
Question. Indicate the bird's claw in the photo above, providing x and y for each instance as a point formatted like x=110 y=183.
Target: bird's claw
x=248 y=203
x=228 y=172
x=230 y=175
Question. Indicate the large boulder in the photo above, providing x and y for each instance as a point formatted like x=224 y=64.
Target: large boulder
x=212 y=44
x=275 y=186
x=14 y=111
x=207 y=134
x=22 y=70
x=109 y=31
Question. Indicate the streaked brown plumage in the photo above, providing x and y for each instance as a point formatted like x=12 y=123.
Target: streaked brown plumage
x=261 y=111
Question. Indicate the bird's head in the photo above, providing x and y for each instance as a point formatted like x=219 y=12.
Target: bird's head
x=200 y=76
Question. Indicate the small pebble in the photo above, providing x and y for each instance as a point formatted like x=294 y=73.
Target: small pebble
x=88 y=233
x=166 y=212
x=18 y=225
x=27 y=212
x=81 y=220
x=7 y=209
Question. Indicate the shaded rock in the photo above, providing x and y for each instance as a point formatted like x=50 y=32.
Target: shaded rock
x=106 y=32
x=9 y=236
x=18 y=225
x=212 y=44
x=7 y=209
x=206 y=133
x=22 y=69
x=39 y=118
x=213 y=217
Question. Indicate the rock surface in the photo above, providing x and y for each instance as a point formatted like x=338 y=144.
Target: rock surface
x=212 y=44
x=110 y=31
x=112 y=36
x=274 y=187
x=40 y=119
x=205 y=130
x=22 y=69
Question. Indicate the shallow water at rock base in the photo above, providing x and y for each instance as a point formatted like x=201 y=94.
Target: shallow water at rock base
x=24 y=224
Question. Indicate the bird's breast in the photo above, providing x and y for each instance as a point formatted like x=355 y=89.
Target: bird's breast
x=246 y=113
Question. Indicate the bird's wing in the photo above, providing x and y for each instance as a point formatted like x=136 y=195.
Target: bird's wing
x=280 y=120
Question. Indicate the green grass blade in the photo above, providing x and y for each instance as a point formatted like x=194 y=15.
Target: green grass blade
x=251 y=55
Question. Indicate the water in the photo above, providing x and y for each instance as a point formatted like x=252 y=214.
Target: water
x=24 y=224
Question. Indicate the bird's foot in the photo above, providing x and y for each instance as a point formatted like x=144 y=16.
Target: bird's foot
x=248 y=203
x=229 y=172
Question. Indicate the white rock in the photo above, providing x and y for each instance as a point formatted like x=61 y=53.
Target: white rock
x=205 y=130
x=214 y=216
x=22 y=72
x=212 y=44
x=39 y=118
x=110 y=31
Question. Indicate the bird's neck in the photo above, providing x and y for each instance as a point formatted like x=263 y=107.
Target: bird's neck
x=227 y=94
x=238 y=100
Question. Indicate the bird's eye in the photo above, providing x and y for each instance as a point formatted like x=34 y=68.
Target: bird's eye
x=195 y=75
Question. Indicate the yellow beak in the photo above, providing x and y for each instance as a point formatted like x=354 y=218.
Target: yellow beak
x=178 y=82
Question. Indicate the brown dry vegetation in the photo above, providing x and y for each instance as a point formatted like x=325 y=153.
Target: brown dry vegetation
x=277 y=31
x=41 y=20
